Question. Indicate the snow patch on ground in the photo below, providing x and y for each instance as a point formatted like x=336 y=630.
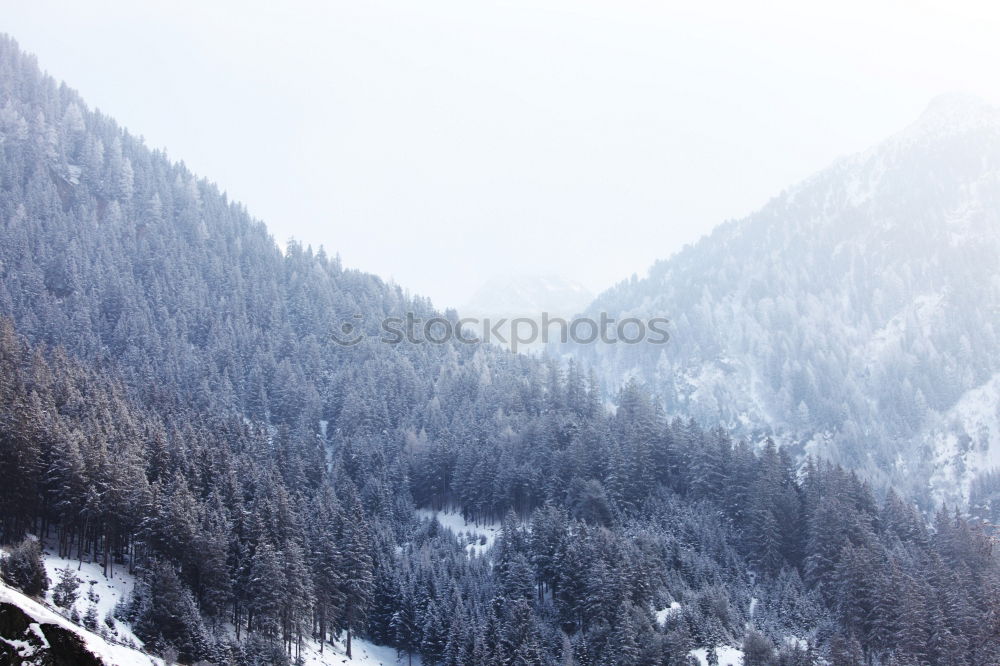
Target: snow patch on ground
x=923 y=311
x=111 y=653
x=728 y=656
x=670 y=611
x=363 y=653
x=107 y=591
x=966 y=440
x=795 y=641
x=479 y=536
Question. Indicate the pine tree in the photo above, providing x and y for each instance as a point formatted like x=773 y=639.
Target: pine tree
x=434 y=633
x=521 y=642
x=22 y=568
x=356 y=566
x=624 y=641
x=404 y=623
x=267 y=587
x=298 y=598
x=165 y=615
x=67 y=590
x=325 y=563
x=757 y=649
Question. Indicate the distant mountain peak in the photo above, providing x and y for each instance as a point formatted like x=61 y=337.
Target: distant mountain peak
x=956 y=102
x=955 y=112
x=529 y=295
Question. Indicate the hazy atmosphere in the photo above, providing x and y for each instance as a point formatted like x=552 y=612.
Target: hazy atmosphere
x=723 y=388
x=444 y=143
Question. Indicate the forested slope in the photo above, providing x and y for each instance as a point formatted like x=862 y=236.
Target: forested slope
x=171 y=401
x=856 y=315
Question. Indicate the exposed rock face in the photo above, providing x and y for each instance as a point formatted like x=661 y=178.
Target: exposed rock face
x=25 y=641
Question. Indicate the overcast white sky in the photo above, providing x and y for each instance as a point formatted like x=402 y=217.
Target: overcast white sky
x=442 y=142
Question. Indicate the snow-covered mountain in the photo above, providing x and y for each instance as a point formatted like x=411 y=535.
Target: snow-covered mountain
x=528 y=296
x=857 y=312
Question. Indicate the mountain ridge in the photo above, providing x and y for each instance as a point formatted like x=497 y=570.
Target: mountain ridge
x=174 y=404
x=773 y=312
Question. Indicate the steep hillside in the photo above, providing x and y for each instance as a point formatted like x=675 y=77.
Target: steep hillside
x=174 y=405
x=32 y=634
x=858 y=312
x=127 y=259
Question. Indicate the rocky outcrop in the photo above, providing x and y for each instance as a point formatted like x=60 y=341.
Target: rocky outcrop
x=23 y=640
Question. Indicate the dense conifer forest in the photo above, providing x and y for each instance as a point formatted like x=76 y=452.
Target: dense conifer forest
x=855 y=314
x=172 y=402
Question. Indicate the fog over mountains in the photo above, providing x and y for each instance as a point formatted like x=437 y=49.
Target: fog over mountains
x=856 y=315
x=182 y=432
x=528 y=296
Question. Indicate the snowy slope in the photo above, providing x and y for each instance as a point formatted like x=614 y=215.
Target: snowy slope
x=725 y=656
x=966 y=438
x=363 y=653
x=96 y=589
x=478 y=537
x=110 y=653
x=120 y=647
x=663 y=614
x=858 y=311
